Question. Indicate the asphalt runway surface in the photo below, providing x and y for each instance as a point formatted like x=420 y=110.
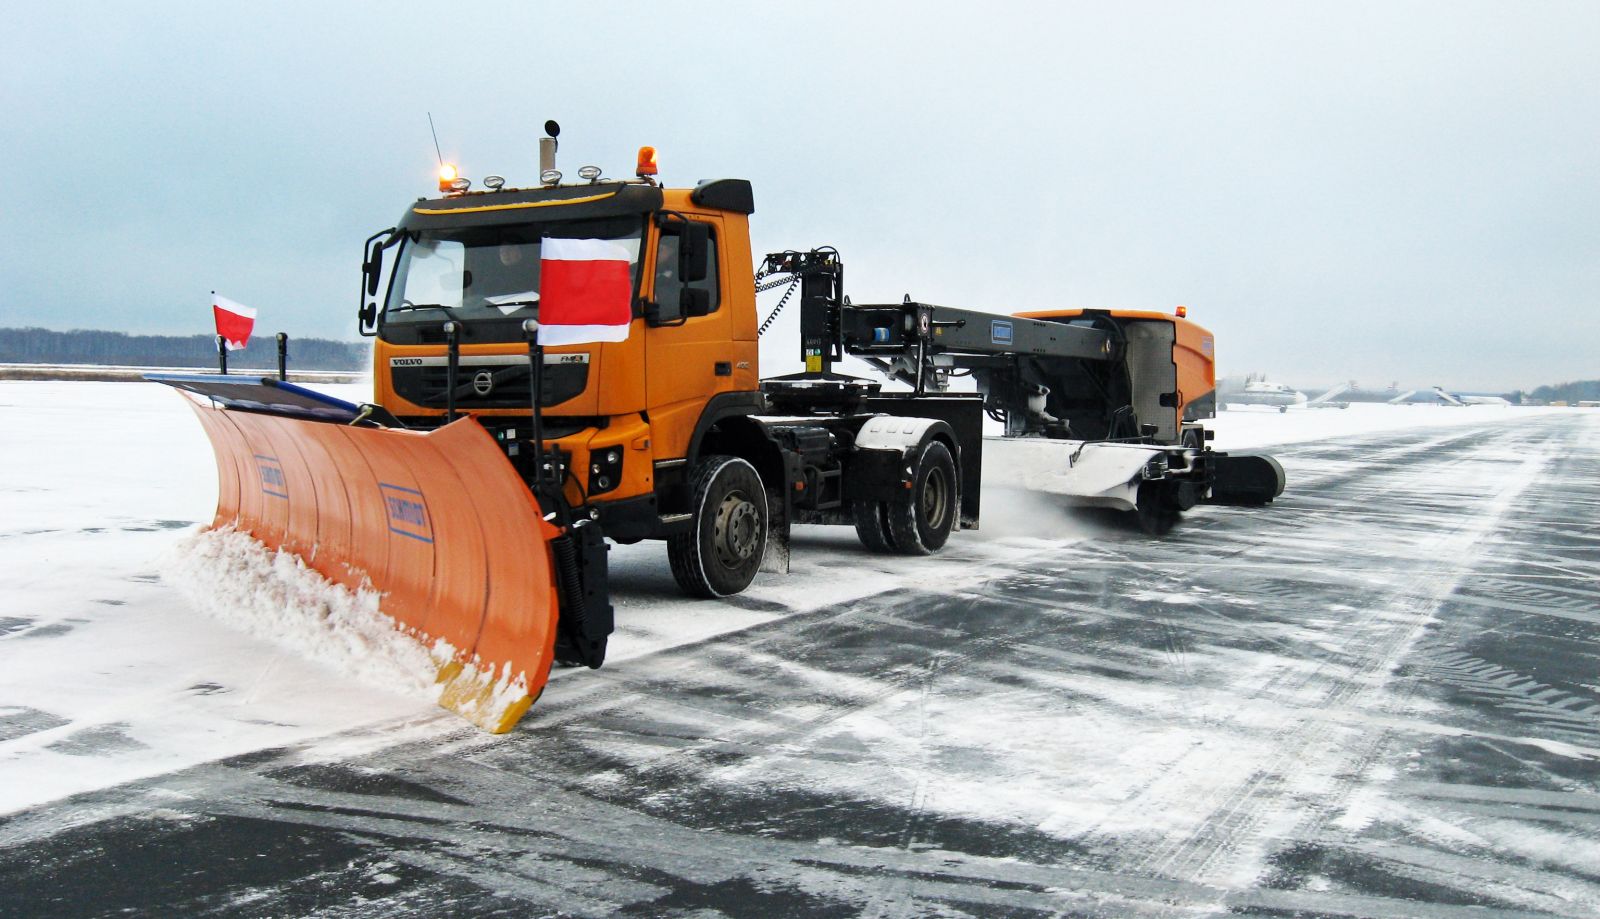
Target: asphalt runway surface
x=1378 y=697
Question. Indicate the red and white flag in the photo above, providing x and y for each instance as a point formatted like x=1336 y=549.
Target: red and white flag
x=585 y=291
x=234 y=322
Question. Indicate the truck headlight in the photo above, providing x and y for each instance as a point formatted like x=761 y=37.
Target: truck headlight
x=605 y=470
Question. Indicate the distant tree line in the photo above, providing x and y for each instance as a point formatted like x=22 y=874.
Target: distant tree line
x=1581 y=391
x=84 y=346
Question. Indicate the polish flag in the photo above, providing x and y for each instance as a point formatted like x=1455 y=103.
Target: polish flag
x=234 y=322
x=585 y=291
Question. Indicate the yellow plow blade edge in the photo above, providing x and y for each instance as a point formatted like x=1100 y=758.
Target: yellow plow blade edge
x=438 y=522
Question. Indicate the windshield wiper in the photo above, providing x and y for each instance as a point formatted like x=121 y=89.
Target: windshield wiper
x=407 y=306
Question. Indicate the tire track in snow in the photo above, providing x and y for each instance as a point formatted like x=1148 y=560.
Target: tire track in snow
x=1379 y=638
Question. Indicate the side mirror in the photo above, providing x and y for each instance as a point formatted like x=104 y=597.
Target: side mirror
x=661 y=312
x=371 y=274
x=694 y=301
x=694 y=252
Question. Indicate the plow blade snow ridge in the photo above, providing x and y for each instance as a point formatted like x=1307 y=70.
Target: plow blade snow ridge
x=439 y=523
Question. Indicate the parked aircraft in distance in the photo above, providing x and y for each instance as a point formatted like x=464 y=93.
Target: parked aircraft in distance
x=1468 y=398
x=1260 y=391
x=1438 y=396
x=1344 y=394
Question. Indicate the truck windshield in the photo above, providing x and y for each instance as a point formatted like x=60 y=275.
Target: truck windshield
x=486 y=276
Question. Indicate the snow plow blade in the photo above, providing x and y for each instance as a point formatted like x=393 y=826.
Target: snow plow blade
x=439 y=523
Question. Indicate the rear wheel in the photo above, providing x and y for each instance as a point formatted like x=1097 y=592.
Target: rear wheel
x=722 y=551
x=921 y=524
x=872 y=526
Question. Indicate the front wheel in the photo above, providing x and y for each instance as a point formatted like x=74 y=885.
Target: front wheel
x=1156 y=508
x=722 y=550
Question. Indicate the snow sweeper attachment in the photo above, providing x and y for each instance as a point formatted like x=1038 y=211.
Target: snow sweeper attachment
x=1244 y=479
x=438 y=522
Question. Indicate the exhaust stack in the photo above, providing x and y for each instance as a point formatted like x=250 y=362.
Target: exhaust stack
x=548 y=175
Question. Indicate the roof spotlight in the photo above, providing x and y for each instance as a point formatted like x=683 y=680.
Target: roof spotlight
x=590 y=173
x=494 y=183
x=550 y=177
x=460 y=183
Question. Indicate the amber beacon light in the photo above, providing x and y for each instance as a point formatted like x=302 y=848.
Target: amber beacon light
x=447 y=176
x=647 y=162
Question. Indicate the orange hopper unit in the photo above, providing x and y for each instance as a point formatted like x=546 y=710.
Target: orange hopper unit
x=438 y=522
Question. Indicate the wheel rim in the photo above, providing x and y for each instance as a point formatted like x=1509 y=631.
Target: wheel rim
x=935 y=497
x=736 y=530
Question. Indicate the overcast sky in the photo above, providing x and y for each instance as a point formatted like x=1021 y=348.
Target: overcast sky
x=1386 y=191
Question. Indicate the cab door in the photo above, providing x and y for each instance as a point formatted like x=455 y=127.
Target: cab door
x=689 y=352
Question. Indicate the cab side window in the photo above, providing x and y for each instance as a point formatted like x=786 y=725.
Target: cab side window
x=668 y=285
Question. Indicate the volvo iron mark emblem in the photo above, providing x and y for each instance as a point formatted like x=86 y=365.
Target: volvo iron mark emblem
x=483 y=382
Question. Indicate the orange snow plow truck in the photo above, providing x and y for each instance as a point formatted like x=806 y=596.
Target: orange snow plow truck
x=478 y=490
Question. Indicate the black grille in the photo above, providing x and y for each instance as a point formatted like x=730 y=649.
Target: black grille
x=507 y=384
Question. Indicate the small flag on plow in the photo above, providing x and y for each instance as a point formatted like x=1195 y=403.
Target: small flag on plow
x=234 y=321
x=585 y=291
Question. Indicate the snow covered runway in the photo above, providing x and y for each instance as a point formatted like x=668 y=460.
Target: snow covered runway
x=1377 y=697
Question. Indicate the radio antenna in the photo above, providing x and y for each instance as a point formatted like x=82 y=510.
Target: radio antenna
x=435 y=132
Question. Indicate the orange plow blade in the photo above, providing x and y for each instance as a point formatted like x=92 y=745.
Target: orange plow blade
x=439 y=523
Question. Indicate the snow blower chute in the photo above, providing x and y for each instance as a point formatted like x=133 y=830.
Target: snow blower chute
x=439 y=522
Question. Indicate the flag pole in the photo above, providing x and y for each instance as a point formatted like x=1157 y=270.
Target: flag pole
x=530 y=328
x=222 y=349
x=452 y=333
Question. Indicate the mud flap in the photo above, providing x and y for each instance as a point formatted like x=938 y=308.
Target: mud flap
x=1244 y=480
x=582 y=575
x=775 y=560
x=439 y=523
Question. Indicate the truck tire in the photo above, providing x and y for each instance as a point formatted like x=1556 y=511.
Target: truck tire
x=921 y=524
x=722 y=550
x=872 y=526
x=1156 y=509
